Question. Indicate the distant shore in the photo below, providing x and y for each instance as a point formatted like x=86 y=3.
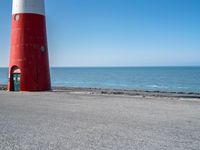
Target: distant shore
x=98 y=91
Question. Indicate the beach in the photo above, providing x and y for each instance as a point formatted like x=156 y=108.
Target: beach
x=88 y=119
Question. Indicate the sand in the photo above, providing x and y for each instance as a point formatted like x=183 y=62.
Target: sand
x=81 y=119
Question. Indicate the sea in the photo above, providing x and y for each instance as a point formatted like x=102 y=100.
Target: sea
x=165 y=79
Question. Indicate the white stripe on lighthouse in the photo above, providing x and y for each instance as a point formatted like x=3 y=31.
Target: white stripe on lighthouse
x=28 y=6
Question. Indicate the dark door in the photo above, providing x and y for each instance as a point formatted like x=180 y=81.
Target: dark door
x=16 y=81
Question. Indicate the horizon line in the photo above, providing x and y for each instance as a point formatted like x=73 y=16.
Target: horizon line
x=117 y=66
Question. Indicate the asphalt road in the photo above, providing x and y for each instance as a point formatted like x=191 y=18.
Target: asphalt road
x=60 y=121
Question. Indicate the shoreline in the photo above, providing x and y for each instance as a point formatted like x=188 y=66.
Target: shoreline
x=99 y=91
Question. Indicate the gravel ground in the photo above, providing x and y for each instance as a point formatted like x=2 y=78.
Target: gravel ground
x=80 y=121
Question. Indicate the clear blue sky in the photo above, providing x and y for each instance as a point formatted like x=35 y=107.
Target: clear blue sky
x=116 y=32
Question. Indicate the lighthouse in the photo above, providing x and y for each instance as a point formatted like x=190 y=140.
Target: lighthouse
x=29 y=62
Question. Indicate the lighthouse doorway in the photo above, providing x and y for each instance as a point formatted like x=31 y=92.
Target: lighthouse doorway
x=16 y=82
x=16 y=77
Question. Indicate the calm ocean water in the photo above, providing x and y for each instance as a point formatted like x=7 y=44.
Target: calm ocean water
x=171 y=79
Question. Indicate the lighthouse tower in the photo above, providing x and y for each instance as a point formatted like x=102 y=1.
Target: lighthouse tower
x=29 y=63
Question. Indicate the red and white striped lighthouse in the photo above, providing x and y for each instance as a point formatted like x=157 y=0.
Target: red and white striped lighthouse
x=29 y=63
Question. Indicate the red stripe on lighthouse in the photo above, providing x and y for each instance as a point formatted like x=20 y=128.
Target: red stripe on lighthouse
x=29 y=50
